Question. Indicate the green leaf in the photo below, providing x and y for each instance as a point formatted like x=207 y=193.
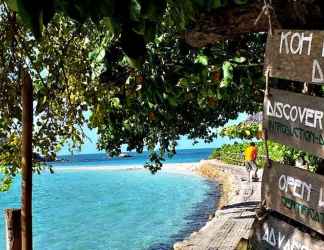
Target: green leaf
x=100 y=55
x=227 y=74
x=202 y=59
x=135 y=10
x=115 y=102
x=97 y=55
x=12 y=4
x=240 y=59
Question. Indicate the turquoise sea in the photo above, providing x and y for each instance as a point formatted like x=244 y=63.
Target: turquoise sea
x=113 y=206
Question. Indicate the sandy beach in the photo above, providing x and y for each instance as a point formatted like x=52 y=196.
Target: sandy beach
x=184 y=168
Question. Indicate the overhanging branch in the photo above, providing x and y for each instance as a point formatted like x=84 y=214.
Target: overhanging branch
x=226 y=23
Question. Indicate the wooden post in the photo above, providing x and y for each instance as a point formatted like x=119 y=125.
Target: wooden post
x=13 y=233
x=265 y=131
x=26 y=162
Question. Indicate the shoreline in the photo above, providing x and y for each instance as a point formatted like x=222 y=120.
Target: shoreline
x=223 y=184
x=203 y=223
x=203 y=211
x=187 y=167
x=238 y=197
x=203 y=169
x=200 y=169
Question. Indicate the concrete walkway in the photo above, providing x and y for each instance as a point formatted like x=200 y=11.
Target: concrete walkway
x=234 y=221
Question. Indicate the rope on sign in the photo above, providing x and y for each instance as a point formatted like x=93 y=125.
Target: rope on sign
x=267 y=9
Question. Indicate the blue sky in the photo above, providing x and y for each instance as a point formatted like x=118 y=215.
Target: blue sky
x=184 y=143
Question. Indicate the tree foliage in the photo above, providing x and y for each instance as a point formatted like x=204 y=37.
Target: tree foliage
x=87 y=67
x=249 y=130
x=234 y=154
x=178 y=91
x=59 y=65
x=136 y=21
x=243 y=130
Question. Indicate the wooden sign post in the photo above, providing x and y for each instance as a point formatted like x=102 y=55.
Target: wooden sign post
x=296 y=120
x=295 y=193
x=13 y=233
x=296 y=55
x=279 y=235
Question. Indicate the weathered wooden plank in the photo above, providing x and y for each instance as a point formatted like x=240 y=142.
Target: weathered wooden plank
x=296 y=55
x=295 y=193
x=276 y=234
x=296 y=120
x=13 y=234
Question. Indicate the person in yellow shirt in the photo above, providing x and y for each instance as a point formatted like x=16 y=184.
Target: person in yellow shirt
x=250 y=156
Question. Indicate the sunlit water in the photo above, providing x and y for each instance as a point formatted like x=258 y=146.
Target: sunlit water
x=123 y=209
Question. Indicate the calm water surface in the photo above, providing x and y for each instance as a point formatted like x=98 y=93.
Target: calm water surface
x=108 y=210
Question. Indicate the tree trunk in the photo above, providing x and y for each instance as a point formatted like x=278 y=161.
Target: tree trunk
x=26 y=163
x=13 y=233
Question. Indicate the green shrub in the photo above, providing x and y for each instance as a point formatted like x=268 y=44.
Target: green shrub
x=234 y=154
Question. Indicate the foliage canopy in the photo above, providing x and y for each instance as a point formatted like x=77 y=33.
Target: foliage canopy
x=59 y=65
x=87 y=67
x=136 y=21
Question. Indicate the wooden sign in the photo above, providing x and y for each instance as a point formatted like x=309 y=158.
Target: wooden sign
x=296 y=55
x=296 y=120
x=295 y=193
x=279 y=235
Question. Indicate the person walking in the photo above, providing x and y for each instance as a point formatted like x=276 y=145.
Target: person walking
x=250 y=155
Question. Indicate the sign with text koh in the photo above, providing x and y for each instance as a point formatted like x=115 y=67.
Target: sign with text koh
x=296 y=120
x=296 y=55
x=295 y=193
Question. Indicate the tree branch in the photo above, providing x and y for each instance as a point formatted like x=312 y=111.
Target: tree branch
x=229 y=22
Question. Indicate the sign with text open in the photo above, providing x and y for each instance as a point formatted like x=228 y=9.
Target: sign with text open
x=296 y=55
x=295 y=193
x=296 y=120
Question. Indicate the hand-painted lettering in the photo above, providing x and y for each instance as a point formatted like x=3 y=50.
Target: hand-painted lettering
x=293 y=43
x=308 y=117
x=317 y=72
x=296 y=187
x=279 y=240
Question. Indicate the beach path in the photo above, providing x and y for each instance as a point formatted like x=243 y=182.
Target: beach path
x=233 y=222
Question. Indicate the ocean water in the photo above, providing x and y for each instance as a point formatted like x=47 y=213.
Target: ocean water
x=182 y=156
x=122 y=209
